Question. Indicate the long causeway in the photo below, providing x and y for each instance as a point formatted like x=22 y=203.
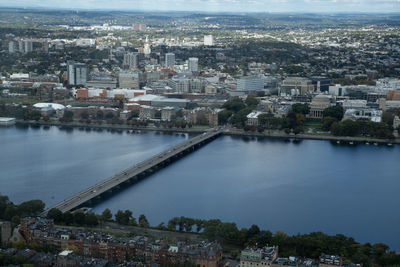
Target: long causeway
x=135 y=172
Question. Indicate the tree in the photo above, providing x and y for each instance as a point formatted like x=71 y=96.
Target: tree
x=91 y=219
x=172 y=224
x=334 y=112
x=31 y=208
x=106 y=215
x=224 y=116
x=85 y=115
x=35 y=115
x=55 y=214
x=123 y=217
x=143 y=221
x=109 y=115
x=79 y=217
x=251 y=101
x=301 y=108
x=68 y=218
x=99 y=115
x=68 y=115
x=327 y=123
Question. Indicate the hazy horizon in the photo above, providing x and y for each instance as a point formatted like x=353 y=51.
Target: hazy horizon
x=217 y=6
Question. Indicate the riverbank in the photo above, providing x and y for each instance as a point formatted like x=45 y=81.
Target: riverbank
x=283 y=135
x=193 y=130
x=228 y=131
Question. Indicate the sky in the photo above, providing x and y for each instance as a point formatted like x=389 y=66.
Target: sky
x=291 y=6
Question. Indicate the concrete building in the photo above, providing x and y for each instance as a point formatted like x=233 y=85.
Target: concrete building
x=321 y=84
x=348 y=104
x=169 y=60
x=387 y=84
x=28 y=46
x=128 y=80
x=208 y=40
x=5 y=233
x=252 y=118
x=386 y=104
x=364 y=114
x=7 y=121
x=193 y=64
x=77 y=73
x=296 y=86
x=185 y=85
x=258 y=257
x=204 y=116
x=131 y=60
x=393 y=95
x=250 y=83
x=12 y=47
x=396 y=122
x=330 y=261
x=147 y=113
x=168 y=113
x=318 y=104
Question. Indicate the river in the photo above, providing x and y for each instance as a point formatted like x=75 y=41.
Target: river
x=293 y=187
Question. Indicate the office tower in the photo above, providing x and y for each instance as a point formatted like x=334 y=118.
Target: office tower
x=169 y=60
x=78 y=73
x=131 y=60
x=28 y=46
x=193 y=64
x=12 y=47
x=208 y=40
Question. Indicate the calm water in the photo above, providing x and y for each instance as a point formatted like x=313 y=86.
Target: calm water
x=310 y=186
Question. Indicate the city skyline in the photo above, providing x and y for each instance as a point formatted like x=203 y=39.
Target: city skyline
x=273 y=6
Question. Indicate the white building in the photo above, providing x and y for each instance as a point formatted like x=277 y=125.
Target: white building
x=351 y=104
x=6 y=121
x=193 y=64
x=258 y=257
x=387 y=84
x=208 y=40
x=366 y=114
x=167 y=113
x=147 y=113
x=252 y=118
x=318 y=105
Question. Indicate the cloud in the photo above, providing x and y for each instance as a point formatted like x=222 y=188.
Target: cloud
x=219 y=5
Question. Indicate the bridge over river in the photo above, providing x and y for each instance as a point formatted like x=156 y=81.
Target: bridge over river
x=135 y=173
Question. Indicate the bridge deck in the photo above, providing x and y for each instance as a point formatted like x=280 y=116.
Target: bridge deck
x=114 y=181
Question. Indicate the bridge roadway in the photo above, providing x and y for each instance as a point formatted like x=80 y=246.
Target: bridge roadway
x=126 y=175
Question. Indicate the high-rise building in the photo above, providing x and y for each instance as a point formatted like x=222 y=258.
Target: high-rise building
x=208 y=40
x=28 y=46
x=21 y=46
x=131 y=60
x=128 y=79
x=250 y=83
x=78 y=73
x=147 y=47
x=169 y=59
x=193 y=64
x=12 y=47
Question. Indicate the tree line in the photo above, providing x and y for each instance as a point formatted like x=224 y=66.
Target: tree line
x=228 y=233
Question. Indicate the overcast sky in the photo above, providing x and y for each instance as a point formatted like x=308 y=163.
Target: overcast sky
x=218 y=5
